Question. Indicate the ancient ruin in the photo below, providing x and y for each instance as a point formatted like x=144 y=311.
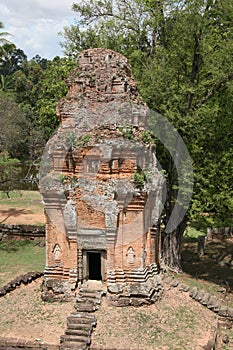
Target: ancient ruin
x=101 y=186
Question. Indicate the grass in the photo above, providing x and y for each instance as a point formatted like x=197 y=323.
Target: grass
x=31 y=200
x=21 y=207
x=18 y=257
x=192 y=232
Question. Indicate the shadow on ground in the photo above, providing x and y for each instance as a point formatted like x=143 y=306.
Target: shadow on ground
x=12 y=212
x=13 y=246
x=216 y=265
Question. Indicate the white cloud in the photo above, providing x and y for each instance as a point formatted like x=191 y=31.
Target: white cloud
x=34 y=25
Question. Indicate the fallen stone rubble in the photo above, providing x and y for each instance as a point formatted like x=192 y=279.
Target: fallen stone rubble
x=224 y=319
x=211 y=302
x=22 y=344
x=22 y=279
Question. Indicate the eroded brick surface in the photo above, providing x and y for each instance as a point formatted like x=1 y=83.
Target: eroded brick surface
x=101 y=185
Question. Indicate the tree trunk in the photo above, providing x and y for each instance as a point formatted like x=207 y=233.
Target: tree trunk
x=171 y=247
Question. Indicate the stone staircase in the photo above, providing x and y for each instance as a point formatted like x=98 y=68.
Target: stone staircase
x=80 y=323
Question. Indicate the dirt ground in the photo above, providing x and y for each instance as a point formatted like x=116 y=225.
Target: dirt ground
x=24 y=216
x=24 y=315
x=175 y=322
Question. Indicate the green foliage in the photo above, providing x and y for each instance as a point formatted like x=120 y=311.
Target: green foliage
x=72 y=140
x=12 y=60
x=29 y=92
x=3 y=41
x=147 y=136
x=181 y=55
x=9 y=171
x=127 y=132
x=83 y=141
x=50 y=89
x=140 y=178
x=5 y=83
x=13 y=125
x=63 y=178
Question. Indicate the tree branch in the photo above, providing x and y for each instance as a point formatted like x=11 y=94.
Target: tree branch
x=211 y=92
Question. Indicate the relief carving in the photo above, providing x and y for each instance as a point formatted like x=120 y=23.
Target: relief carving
x=130 y=256
x=57 y=252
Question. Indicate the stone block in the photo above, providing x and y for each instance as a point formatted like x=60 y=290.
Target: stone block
x=174 y=284
x=223 y=311
x=193 y=292
x=205 y=299
x=230 y=312
x=144 y=301
x=217 y=306
x=123 y=301
x=2 y=292
x=184 y=288
x=199 y=296
x=212 y=302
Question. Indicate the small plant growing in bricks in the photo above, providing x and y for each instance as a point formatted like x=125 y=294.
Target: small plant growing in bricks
x=128 y=132
x=139 y=177
x=82 y=141
x=146 y=136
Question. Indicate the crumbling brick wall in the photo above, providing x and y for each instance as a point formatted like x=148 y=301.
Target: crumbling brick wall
x=100 y=181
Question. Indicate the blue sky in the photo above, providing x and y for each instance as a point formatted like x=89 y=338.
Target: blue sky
x=34 y=24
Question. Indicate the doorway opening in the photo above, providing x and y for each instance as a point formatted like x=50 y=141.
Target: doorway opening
x=94 y=265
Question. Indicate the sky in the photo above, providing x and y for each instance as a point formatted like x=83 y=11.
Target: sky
x=34 y=24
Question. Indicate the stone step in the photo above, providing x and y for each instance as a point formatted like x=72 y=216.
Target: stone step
x=84 y=299
x=91 y=294
x=86 y=307
x=79 y=332
x=75 y=339
x=83 y=315
x=82 y=318
x=91 y=291
x=81 y=321
x=80 y=326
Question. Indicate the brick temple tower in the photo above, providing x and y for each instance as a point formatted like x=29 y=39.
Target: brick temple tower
x=101 y=186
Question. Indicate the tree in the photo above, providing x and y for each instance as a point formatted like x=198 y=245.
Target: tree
x=14 y=128
x=181 y=53
x=187 y=81
x=9 y=172
x=38 y=85
x=50 y=89
x=25 y=82
x=12 y=60
x=3 y=40
x=5 y=83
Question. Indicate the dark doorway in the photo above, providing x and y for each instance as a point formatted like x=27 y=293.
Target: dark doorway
x=94 y=263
